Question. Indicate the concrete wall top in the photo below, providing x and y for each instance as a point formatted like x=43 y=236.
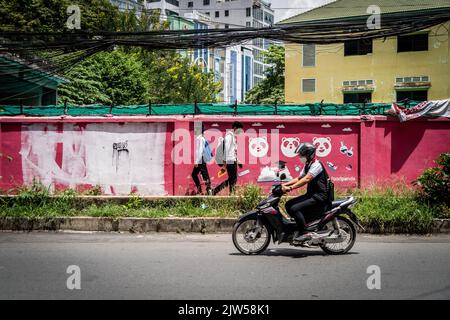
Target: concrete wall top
x=222 y=118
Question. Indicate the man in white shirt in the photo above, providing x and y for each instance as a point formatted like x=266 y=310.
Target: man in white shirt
x=230 y=158
x=311 y=205
x=200 y=165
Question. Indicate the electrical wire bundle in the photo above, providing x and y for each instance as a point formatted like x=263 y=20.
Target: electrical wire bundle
x=64 y=49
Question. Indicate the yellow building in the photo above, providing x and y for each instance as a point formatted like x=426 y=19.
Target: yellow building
x=414 y=66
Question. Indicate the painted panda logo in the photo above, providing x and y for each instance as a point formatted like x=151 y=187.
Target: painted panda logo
x=323 y=146
x=288 y=146
x=258 y=147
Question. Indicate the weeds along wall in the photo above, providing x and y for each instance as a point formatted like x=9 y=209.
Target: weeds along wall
x=154 y=155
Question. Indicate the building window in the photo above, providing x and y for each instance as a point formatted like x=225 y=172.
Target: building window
x=257 y=24
x=412 y=79
x=358 y=47
x=354 y=83
x=358 y=97
x=256 y=80
x=258 y=69
x=248 y=12
x=257 y=55
x=217 y=14
x=206 y=2
x=258 y=43
x=416 y=42
x=268 y=18
x=176 y=3
x=227 y=26
x=207 y=13
x=227 y=13
x=190 y=4
x=416 y=95
x=309 y=85
x=248 y=24
x=309 y=55
x=258 y=13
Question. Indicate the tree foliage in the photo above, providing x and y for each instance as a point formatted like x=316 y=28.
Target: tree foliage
x=51 y=15
x=120 y=75
x=137 y=76
x=435 y=182
x=174 y=78
x=109 y=78
x=271 y=89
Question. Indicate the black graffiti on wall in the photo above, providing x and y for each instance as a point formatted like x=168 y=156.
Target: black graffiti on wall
x=120 y=149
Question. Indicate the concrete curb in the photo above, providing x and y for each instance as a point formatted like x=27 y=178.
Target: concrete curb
x=143 y=225
x=133 y=225
x=441 y=226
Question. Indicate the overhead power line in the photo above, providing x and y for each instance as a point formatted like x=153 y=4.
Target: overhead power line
x=65 y=49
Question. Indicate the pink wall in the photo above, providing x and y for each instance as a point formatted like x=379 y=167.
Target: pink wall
x=393 y=150
x=154 y=155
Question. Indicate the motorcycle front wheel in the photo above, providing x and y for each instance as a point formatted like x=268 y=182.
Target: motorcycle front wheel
x=248 y=240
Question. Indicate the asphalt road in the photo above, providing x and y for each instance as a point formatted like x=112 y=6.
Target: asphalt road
x=174 y=266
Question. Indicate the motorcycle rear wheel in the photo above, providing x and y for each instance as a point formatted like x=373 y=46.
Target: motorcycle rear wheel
x=247 y=241
x=335 y=248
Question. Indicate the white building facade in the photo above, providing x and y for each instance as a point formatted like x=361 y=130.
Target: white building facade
x=232 y=66
x=167 y=7
x=238 y=73
x=239 y=14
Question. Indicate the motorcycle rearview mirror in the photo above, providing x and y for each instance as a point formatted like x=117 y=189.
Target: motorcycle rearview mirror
x=282 y=177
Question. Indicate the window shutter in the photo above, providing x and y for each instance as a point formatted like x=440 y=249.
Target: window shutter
x=309 y=55
x=309 y=85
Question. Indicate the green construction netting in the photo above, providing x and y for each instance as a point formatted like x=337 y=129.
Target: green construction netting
x=314 y=109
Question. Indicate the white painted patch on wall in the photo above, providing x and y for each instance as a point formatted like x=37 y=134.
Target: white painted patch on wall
x=107 y=154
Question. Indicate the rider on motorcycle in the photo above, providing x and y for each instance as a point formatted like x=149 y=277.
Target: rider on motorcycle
x=313 y=204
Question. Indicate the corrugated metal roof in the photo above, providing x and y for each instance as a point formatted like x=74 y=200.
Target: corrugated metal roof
x=13 y=64
x=353 y=8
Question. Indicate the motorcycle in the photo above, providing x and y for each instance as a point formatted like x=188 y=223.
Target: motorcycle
x=334 y=233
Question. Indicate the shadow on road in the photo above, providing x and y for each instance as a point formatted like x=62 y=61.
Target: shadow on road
x=293 y=253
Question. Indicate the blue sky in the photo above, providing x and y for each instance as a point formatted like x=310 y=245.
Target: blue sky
x=288 y=8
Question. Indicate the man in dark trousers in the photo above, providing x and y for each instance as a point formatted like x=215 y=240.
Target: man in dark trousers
x=311 y=205
x=200 y=164
x=230 y=158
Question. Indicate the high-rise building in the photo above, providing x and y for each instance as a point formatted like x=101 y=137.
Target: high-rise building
x=238 y=14
x=238 y=72
x=232 y=66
